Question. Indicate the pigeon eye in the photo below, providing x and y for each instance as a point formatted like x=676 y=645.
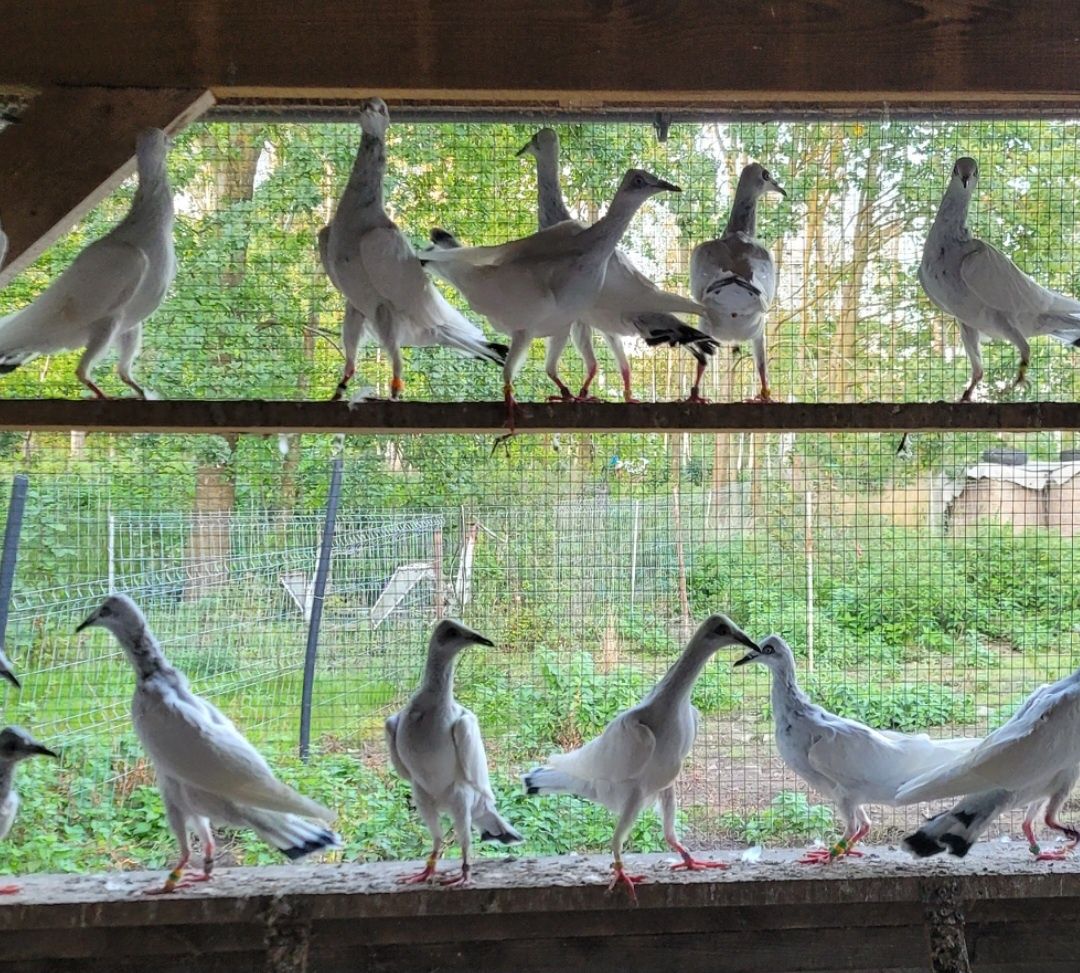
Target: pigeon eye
x=105 y=610
x=768 y=650
x=765 y=175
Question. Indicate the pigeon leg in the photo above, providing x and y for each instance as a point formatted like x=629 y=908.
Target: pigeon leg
x=396 y=366
x=95 y=347
x=621 y=878
x=175 y=879
x=626 y=821
x=129 y=343
x=970 y=338
x=430 y=814
x=762 y=369
x=688 y=863
x=582 y=335
x=858 y=828
x=616 y=345
x=555 y=345
x=695 y=391
x=206 y=839
x=1029 y=830
x=1052 y=808
x=463 y=830
x=177 y=819
x=352 y=328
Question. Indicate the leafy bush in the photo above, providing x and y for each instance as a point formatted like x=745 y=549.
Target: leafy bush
x=790 y=816
x=907 y=708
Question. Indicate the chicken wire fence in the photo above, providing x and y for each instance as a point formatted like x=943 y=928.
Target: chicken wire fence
x=252 y=315
x=929 y=594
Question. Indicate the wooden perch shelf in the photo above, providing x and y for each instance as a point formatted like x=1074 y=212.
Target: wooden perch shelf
x=269 y=417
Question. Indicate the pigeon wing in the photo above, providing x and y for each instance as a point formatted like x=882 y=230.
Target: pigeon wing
x=1041 y=739
x=471 y=757
x=390 y=728
x=621 y=752
x=97 y=285
x=192 y=741
x=999 y=283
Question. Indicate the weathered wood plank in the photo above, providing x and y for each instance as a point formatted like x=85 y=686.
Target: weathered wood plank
x=257 y=416
x=576 y=50
x=71 y=148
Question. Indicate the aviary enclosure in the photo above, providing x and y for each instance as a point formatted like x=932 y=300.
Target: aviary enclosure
x=927 y=590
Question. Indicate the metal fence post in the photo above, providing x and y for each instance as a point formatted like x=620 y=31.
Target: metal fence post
x=322 y=572
x=10 y=556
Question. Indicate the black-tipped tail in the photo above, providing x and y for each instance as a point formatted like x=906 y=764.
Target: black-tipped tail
x=323 y=839
x=497 y=354
x=444 y=239
x=493 y=827
x=921 y=845
x=7 y=366
x=666 y=329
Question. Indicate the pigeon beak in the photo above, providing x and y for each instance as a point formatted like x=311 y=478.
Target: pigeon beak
x=749 y=657
x=669 y=186
x=525 y=148
x=10 y=677
x=86 y=622
x=37 y=748
x=747 y=641
x=780 y=189
x=480 y=640
x=964 y=181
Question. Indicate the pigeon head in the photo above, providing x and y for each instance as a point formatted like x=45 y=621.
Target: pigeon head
x=120 y=615
x=375 y=117
x=719 y=631
x=451 y=636
x=773 y=652
x=16 y=744
x=759 y=181
x=966 y=171
x=543 y=143
x=639 y=184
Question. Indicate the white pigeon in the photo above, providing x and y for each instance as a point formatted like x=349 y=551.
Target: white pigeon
x=735 y=277
x=15 y=746
x=207 y=771
x=847 y=761
x=435 y=744
x=636 y=760
x=629 y=304
x=536 y=287
x=111 y=287
x=1033 y=760
x=7 y=670
x=371 y=263
x=983 y=289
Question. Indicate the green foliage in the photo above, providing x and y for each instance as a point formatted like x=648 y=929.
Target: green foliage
x=904 y=707
x=789 y=817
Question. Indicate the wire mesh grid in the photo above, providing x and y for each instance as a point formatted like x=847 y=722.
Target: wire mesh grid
x=931 y=594
x=252 y=315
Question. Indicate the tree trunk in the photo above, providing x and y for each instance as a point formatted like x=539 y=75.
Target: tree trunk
x=846 y=343
x=210 y=548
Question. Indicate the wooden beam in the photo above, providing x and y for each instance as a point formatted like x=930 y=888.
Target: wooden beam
x=576 y=51
x=72 y=146
x=256 y=416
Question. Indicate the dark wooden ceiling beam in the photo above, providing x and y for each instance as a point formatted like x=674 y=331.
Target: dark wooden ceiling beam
x=573 y=52
x=71 y=147
x=254 y=416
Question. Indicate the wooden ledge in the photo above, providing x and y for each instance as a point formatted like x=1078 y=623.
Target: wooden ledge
x=269 y=417
x=883 y=912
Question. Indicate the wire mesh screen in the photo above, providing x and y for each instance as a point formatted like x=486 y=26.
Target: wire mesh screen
x=931 y=594
x=252 y=315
